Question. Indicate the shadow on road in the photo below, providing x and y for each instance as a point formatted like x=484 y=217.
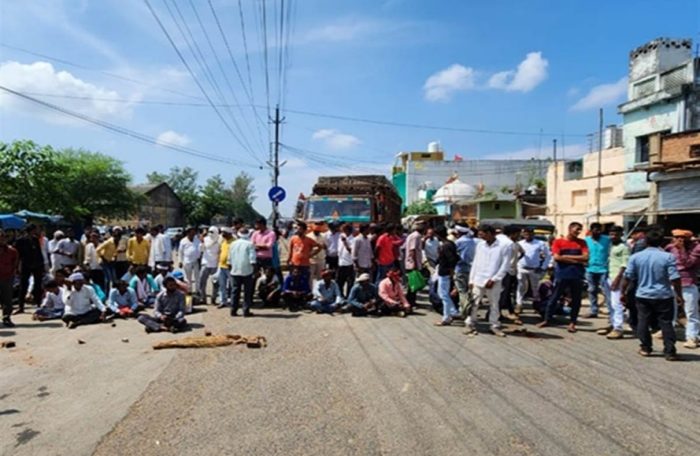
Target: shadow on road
x=44 y=324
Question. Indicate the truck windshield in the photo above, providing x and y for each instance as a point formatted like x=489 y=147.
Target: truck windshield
x=339 y=209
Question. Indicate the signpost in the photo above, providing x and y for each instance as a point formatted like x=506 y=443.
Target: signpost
x=277 y=194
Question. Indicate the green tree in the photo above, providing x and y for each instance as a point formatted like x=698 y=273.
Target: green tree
x=214 y=200
x=78 y=184
x=423 y=207
x=242 y=188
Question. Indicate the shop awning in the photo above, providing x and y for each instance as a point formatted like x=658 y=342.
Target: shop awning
x=11 y=222
x=636 y=206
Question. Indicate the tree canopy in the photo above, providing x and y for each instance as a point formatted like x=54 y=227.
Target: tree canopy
x=423 y=207
x=75 y=183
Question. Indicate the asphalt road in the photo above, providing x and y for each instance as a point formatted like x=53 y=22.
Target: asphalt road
x=343 y=385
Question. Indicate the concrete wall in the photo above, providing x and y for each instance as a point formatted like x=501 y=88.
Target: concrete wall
x=576 y=200
x=676 y=148
x=493 y=174
x=641 y=122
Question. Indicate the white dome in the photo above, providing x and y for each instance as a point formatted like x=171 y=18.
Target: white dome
x=454 y=191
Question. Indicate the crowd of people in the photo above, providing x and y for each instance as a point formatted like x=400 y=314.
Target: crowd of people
x=365 y=270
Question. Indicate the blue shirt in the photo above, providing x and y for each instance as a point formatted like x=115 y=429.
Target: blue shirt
x=117 y=300
x=598 y=254
x=466 y=246
x=653 y=270
x=299 y=283
x=329 y=294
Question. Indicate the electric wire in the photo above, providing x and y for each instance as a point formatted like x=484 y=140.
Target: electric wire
x=189 y=69
x=128 y=132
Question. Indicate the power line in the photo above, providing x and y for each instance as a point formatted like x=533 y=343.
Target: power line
x=127 y=132
x=226 y=78
x=248 y=91
x=199 y=85
x=267 y=70
x=106 y=73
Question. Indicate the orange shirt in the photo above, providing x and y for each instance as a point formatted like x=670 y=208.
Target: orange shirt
x=301 y=247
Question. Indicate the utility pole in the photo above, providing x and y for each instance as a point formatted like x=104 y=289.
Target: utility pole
x=556 y=179
x=276 y=163
x=600 y=162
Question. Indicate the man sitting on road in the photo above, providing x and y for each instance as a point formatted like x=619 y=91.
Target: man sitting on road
x=122 y=300
x=52 y=305
x=363 y=299
x=169 y=314
x=145 y=287
x=394 y=300
x=83 y=307
x=269 y=288
x=327 y=296
x=296 y=291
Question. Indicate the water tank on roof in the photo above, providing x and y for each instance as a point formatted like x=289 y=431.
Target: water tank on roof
x=434 y=147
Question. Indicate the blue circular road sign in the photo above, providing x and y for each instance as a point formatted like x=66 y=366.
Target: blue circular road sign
x=277 y=194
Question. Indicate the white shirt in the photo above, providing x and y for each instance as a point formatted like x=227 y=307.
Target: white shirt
x=333 y=244
x=511 y=252
x=189 y=251
x=210 y=252
x=52 y=301
x=160 y=250
x=431 y=248
x=491 y=262
x=69 y=248
x=345 y=251
x=535 y=254
x=91 y=258
x=362 y=251
x=55 y=257
x=80 y=302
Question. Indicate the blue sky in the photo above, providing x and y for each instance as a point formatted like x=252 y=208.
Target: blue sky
x=505 y=65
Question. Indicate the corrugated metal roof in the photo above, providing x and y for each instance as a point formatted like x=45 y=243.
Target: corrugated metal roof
x=625 y=207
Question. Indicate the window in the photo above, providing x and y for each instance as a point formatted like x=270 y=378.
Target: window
x=642 y=149
x=573 y=170
x=674 y=78
x=695 y=151
x=644 y=88
x=579 y=198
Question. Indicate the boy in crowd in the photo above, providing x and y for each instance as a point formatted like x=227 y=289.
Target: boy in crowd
x=52 y=305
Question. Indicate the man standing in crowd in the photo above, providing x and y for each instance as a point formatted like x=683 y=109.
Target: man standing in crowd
x=617 y=263
x=509 y=240
x=242 y=260
x=224 y=276
x=161 y=248
x=91 y=260
x=107 y=251
x=491 y=263
x=531 y=266
x=210 y=261
x=571 y=256
x=362 y=254
x=68 y=249
x=301 y=249
x=431 y=247
x=447 y=261
x=332 y=247
x=317 y=262
x=385 y=249
x=687 y=254
x=466 y=247
x=597 y=269
x=188 y=255
x=658 y=280
x=83 y=307
x=121 y=263
x=264 y=240
x=9 y=262
x=169 y=313
x=138 y=248
x=413 y=260
x=327 y=296
x=31 y=265
x=55 y=257
x=346 y=271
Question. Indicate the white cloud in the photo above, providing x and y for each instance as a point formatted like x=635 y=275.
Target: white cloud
x=336 y=140
x=445 y=83
x=170 y=137
x=530 y=73
x=602 y=95
x=42 y=78
x=568 y=151
x=356 y=29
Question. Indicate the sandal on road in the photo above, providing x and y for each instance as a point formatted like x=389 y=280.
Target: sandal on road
x=447 y=322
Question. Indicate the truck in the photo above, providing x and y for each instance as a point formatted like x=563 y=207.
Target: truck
x=351 y=199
